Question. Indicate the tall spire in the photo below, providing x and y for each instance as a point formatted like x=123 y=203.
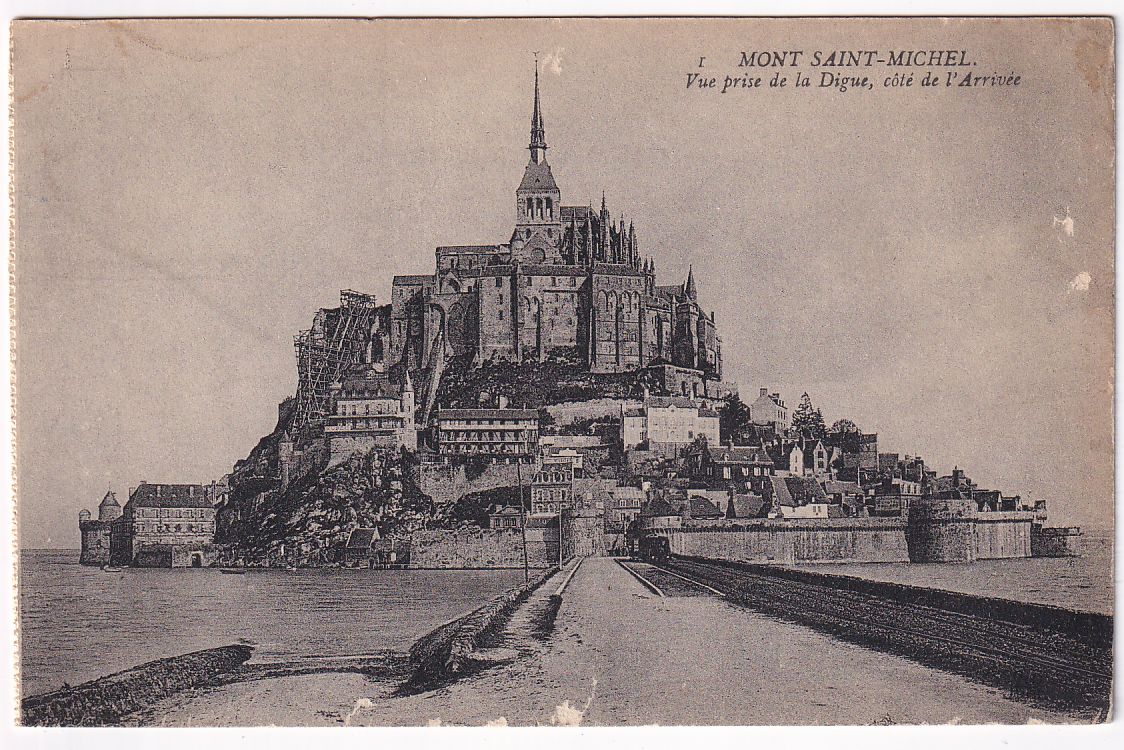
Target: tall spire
x=538 y=134
x=692 y=293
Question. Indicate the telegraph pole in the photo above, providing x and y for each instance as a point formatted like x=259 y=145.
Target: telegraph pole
x=522 y=515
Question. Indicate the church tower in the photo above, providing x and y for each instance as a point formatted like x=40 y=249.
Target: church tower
x=538 y=203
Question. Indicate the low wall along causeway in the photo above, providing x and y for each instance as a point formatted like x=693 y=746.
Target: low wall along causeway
x=447 y=651
x=105 y=701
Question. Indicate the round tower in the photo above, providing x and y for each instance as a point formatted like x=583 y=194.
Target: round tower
x=941 y=530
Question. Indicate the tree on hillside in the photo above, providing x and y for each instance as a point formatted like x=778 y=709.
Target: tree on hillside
x=844 y=427
x=733 y=417
x=808 y=420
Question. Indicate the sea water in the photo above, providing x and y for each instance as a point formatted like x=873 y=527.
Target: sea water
x=78 y=623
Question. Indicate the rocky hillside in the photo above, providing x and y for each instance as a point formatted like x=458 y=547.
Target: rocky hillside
x=368 y=490
x=532 y=384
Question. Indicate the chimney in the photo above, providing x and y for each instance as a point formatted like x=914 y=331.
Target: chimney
x=158 y=488
x=764 y=391
x=191 y=490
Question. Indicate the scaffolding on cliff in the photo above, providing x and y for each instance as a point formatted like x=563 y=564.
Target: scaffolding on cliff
x=339 y=337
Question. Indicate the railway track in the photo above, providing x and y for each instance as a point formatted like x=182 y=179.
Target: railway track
x=1039 y=664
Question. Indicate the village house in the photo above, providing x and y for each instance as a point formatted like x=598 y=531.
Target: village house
x=744 y=465
x=769 y=409
x=741 y=506
x=667 y=424
x=815 y=458
x=360 y=547
x=499 y=435
x=892 y=496
x=576 y=449
x=552 y=487
x=505 y=517
x=788 y=458
x=623 y=507
x=848 y=495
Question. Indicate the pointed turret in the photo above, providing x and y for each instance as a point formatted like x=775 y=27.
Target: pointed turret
x=633 y=259
x=589 y=237
x=538 y=132
x=604 y=226
x=689 y=289
x=109 y=509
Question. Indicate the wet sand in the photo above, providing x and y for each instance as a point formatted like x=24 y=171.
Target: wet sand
x=620 y=655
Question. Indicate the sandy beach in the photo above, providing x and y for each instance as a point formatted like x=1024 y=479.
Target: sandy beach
x=621 y=655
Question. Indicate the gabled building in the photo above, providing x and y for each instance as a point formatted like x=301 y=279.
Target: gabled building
x=769 y=409
x=816 y=456
x=505 y=517
x=370 y=410
x=742 y=467
x=552 y=487
x=164 y=525
x=668 y=424
x=788 y=458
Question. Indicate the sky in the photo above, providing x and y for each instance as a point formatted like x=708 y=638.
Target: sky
x=189 y=193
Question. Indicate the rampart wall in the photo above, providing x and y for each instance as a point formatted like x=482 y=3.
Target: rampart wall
x=473 y=548
x=792 y=542
x=942 y=532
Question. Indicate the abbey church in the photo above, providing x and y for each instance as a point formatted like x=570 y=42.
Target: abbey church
x=571 y=283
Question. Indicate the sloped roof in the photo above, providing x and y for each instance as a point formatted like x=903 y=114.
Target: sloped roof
x=110 y=500
x=703 y=508
x=780 y=491
x=169 y=496
x=577 y=213
x=745 y=506
x=457 y=249
x=734 y=454
x=658 y=507
x=833 y=487
x=412 y=280
x=538 y=177
x=504 y=510
x=487 y=414
x=805 y=490
x=371 y=385
x=362 y=538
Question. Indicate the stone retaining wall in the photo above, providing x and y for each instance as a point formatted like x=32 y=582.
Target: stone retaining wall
x=473 y=548
x=447 y=651
x=106 y=701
